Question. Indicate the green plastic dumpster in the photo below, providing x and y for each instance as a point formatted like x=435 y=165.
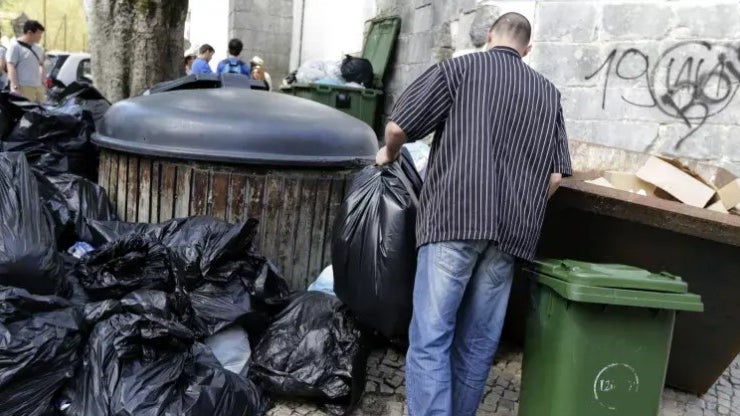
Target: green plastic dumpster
x=362 y=103
x=598 y=339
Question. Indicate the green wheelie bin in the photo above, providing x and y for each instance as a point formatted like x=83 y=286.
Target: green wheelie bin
x=598 y=338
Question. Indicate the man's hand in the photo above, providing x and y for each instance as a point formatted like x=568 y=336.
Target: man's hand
x=385 y=158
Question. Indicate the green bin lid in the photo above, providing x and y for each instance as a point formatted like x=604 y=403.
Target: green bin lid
x=381 y=39
x=615 y=276
x=612 y=284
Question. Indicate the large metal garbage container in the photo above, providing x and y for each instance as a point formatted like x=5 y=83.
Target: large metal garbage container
x=598 y=339
x=234 y=153
x=597 y=224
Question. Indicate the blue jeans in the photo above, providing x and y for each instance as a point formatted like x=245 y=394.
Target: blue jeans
x=460 y=297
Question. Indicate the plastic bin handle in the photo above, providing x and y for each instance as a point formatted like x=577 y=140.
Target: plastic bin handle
x=370 y=93
x=323 y=88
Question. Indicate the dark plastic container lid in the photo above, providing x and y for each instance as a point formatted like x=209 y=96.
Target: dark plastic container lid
x=235 y=125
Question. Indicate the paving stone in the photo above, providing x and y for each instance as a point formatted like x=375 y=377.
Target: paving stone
x=386 y=392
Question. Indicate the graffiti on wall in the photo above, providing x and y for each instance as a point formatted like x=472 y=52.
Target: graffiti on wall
x=691 y=81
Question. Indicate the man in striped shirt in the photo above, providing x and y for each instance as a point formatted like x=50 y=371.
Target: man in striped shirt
x=499 y=151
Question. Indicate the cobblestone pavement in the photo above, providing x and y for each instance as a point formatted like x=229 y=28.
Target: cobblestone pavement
x=385 y=392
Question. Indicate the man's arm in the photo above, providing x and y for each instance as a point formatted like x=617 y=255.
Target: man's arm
x=13 y=78
x=422 y=108
x=555 y=179
x=561 y=163
x=395 y=138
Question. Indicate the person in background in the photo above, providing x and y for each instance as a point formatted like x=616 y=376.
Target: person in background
x=258 y=62
x=232 y=64
x=201 y=64
x=3 y=66
x=25 y=61
x=189 y=64
x=259 y=74
x=500 y=150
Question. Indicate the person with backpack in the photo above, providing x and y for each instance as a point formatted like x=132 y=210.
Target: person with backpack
x=25 y=60
x=232 y=64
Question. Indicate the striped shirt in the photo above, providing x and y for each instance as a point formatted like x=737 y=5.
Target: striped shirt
x=499 y=134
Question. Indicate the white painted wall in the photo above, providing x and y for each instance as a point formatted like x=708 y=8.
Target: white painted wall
x=329 y=28
x=209 y=23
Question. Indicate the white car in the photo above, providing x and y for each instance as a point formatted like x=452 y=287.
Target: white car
x=64 y=68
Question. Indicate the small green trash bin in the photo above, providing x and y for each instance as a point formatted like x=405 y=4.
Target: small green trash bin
x=598 y=339
x=362 y=103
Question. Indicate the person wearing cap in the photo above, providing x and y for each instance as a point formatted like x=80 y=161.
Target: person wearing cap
x=189 y=58
x=258 y=70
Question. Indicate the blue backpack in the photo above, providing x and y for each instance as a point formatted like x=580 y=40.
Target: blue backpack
x=232 y=68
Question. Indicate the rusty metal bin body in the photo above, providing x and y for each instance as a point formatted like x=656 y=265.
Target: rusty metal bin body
x=173 y=154
x=597 y=224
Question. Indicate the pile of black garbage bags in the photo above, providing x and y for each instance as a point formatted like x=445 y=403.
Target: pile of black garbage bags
x=100 y=317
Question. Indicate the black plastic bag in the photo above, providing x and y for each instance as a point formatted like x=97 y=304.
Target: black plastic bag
x=313 y=350
x=12 y=108
x=226 y=280
x=73 y=200
x=124 y=266
x=80 y=98
x=28 y=252
x=374 y=249
x=139 y=361
x=208 y=249
x=39 y=341
x=359 y=70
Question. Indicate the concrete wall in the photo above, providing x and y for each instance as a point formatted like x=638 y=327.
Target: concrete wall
x=330 y=29
x=266 y=28
x=646 y=76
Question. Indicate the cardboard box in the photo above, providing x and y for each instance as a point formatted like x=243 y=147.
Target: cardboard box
x=670 y=177
x=718 y=207
x=601 y=182
x=628 y=181
x=730 y=194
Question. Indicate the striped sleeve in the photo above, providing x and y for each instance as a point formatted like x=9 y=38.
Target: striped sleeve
x=424 y=105
x=561 y=156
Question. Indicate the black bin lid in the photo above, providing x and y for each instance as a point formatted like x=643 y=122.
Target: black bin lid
x=235 y=125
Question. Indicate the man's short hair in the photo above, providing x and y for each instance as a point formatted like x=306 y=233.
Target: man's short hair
x=205 y=48
x=515 y=26
x=235 y=47
x=32 y=26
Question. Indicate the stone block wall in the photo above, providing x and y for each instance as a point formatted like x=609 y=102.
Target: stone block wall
x=265 y=27
x=656 y=76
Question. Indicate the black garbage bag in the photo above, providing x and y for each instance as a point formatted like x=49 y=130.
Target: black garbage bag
x=12 y=108
x=139 y=361
x=28 y=252
x=53 y=139
x=39 y=341
x=359 y=70
x=121 y=267
x=81 y=100
x=374 y=249
x=208 y=250
x=73 y=200
x=226 y=280
x=313 y=350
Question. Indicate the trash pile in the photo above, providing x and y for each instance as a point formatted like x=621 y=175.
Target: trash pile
x=351 y=72
x=102 y=317
x=670 y=179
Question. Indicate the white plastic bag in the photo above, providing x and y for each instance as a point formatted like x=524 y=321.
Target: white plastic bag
x=231 y=348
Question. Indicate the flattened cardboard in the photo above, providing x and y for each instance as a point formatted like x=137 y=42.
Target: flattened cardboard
x=628 y=181
x=730 y=194
x=601 y=182
x=718 y=207
x=673 y=179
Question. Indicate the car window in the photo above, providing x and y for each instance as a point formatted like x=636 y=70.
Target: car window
x=84 y=70
x=57 y=65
